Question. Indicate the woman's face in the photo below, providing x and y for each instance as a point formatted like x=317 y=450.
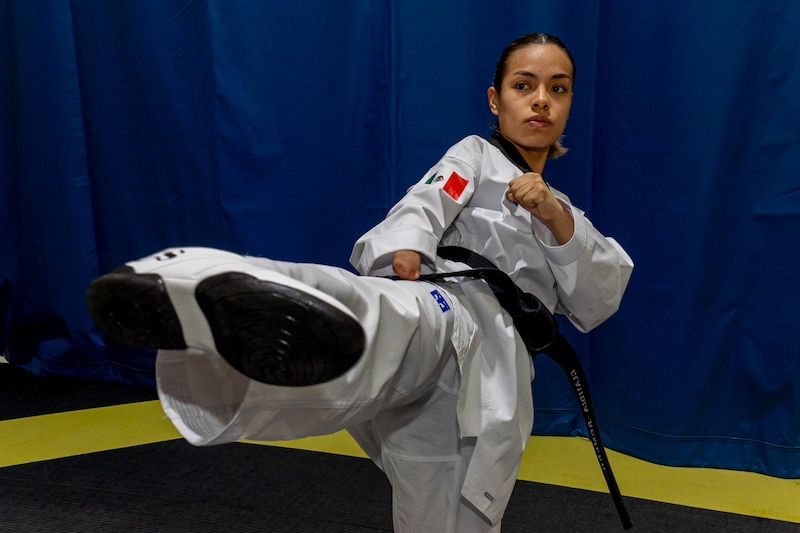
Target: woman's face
x=532 y=105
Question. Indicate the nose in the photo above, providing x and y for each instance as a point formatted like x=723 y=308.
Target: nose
x=540 y=99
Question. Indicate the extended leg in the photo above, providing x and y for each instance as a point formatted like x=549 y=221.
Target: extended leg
x=251 y=310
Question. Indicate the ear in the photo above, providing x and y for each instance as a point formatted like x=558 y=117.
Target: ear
x=491 y=94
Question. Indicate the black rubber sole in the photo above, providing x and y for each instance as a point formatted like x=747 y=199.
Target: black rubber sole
x=135 y=310
x=277 y=334
x=269 y=332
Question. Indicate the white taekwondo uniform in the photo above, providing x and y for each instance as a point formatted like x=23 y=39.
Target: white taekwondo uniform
x=441 y=397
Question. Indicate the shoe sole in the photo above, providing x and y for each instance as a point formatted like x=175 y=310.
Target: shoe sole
x=277 y=334
x=269 y=332
x=134 y=309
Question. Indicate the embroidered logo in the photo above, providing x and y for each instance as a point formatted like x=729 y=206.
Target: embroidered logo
x=434 y=178
x=455 y=185
x=440 y=300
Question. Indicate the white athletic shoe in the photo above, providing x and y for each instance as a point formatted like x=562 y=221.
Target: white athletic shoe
x=269 y=327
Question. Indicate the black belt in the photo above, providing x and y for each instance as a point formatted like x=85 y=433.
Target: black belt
x=539 y=330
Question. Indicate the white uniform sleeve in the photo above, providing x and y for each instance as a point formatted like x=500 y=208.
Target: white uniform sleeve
x=417 y=222
x=591 y=271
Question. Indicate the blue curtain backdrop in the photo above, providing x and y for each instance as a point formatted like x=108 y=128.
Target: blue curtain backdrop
x=288 y=129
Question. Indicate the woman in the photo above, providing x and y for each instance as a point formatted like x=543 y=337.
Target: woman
x=431 y=379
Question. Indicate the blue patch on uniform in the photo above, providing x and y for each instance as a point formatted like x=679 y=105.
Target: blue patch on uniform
x=440 y=300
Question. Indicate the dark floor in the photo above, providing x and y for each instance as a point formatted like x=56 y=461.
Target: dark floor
x=174 y=487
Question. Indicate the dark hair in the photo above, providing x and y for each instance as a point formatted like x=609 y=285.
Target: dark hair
x=522 y=42
x=557 y=149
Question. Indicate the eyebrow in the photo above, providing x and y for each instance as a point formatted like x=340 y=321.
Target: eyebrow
x=528 y=74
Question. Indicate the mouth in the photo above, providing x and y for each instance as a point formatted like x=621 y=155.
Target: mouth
x=538 y=121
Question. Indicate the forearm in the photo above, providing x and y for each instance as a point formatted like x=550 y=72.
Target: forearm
x=562 y=226
x=591 y=272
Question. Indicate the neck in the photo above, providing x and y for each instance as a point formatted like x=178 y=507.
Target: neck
x=535 y=160
x=527 y=161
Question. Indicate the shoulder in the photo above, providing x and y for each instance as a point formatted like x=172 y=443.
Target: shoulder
x=470 y=150
x=470 y=144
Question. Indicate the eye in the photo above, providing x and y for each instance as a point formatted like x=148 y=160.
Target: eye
x=559 y=89
x=521 y=85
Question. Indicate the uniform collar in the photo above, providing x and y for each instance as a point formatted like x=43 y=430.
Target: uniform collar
x=510 y=151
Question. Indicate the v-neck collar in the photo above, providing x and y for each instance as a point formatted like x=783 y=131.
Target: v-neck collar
x=510 y=151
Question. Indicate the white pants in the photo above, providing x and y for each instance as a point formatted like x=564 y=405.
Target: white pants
x=399 y=401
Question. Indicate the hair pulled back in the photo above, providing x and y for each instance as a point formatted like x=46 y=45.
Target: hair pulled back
x=556 y=149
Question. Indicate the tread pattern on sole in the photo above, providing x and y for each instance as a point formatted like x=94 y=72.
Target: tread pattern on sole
x=277 y=334
x=135 y=310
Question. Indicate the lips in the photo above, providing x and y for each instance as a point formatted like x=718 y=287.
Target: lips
x=538 y=120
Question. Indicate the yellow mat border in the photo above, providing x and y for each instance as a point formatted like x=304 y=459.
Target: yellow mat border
x=562 y=461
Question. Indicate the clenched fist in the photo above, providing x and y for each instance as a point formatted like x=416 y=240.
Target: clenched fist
x=532 y=193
